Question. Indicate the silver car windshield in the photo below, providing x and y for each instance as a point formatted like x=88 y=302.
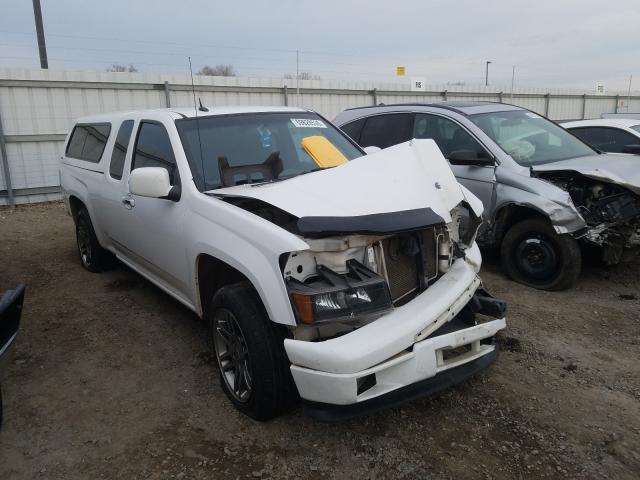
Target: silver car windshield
x=636 y=128
x=529 y=138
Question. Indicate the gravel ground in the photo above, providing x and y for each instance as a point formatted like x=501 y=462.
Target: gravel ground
x=111 y=378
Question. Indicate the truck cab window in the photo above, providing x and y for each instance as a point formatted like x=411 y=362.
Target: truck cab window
x=120 y=149
x=153 y=149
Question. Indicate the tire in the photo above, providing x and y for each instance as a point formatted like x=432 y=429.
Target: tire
x=1 y=414
x=92 y=256
x=248 y=346
x=533 y=253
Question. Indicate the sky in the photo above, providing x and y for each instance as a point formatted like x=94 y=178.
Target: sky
x=551 y=43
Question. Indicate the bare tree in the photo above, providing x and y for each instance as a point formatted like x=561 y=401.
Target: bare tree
x=218 y=71
x=116 y=67
x=303 y=76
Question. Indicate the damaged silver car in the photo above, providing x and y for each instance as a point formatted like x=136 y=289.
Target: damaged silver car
x=545 y=192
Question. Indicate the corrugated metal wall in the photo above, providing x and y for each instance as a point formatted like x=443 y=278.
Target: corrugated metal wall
x=37 y=108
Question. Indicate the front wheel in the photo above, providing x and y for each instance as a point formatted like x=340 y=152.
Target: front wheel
x=533 y=253
x=249 y=348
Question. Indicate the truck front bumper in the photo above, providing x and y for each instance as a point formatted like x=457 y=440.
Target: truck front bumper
x=397 y=350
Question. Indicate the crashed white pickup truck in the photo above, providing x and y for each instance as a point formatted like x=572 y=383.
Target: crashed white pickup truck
x=346 y=279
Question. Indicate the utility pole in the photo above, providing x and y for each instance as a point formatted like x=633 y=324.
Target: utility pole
x=629 y=93
x=486 y=75
x=42 y=47
x=513 y=78
x=298 y=78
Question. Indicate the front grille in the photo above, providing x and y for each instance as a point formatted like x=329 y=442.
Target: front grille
x=410 y=261
x=429 y=252
x=401 y=264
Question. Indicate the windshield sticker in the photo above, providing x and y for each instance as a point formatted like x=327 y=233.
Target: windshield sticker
x=532 y=115
x=308 y=123
x=265 y=136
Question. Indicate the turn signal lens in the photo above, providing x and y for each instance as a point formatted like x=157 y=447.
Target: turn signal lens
x=304 y=307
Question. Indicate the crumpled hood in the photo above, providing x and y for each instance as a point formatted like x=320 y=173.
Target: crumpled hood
x=618 y=168
x=411 y=175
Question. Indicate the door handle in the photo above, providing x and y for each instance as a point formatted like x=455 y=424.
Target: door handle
x=129 y=202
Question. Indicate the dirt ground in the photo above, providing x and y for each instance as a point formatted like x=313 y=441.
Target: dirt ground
x=111 y=378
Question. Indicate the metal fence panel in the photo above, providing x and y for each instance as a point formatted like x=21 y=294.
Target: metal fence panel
x=38 y=107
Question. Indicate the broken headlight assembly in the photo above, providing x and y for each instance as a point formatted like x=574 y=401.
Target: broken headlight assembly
x=332 y=296
x=468 y=223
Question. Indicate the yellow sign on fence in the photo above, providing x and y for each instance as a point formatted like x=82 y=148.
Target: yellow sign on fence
x=400 y=71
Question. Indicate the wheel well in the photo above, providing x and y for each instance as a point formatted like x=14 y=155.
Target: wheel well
x=75 y=204
x=509 y=215
x=213 y=274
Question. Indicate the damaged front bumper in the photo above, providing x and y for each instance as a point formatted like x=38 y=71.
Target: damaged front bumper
x=397 y=351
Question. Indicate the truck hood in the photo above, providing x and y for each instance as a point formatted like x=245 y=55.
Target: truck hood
x=619 y=168
x=409 y=176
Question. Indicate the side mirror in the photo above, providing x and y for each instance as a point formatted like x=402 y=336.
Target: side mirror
x=370 y=150
x=634 y=148
x=468 y=158
x=153 y=182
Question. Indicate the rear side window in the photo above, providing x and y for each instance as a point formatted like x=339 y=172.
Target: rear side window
x=621 y=140
x=607 y=139
x=386 y=130
x=120 y=149
x=87 y=141
x=354 y=129
x=153 y=149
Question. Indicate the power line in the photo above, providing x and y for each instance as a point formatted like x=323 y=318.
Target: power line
x=237 y=47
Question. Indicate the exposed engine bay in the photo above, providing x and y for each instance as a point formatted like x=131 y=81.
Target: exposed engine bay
x=612 y=212
x=342 y=282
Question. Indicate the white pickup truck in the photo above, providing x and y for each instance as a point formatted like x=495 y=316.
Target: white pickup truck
x=345 y=279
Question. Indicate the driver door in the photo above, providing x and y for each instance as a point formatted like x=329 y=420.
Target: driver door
x=451 y=136
x=151 y=232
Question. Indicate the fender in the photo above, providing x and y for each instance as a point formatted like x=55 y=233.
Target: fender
x=539 y=195
x=235 y=231
x=77 y=186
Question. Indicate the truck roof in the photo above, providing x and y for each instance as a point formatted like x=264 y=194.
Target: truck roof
x=187 y=112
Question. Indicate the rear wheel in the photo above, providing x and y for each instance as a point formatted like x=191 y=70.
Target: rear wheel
x=249 y=348
x=534 y=254
x=92 y=256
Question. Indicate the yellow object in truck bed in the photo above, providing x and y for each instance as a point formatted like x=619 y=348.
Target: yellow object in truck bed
x=322 y=151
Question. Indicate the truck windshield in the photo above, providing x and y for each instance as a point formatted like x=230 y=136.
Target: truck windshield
x=529 y=138
x=229 y=150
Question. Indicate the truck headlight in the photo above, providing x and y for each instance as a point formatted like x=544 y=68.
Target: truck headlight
x=331 y=296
